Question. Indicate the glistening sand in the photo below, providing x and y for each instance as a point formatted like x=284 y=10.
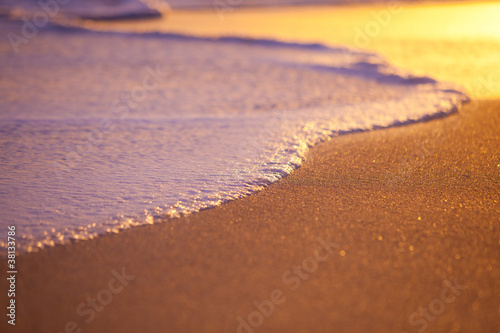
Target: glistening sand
x=409 y=206
x=402 y=238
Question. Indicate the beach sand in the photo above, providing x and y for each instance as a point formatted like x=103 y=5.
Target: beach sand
x=413 y=211
x=403 y=230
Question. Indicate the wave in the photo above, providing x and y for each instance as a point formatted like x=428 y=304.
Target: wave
x=103 y=131
x=84 y=9
x=366 y=64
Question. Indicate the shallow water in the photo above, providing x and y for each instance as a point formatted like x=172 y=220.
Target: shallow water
x=104 y=131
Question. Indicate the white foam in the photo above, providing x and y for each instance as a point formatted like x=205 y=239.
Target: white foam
x=220 y=119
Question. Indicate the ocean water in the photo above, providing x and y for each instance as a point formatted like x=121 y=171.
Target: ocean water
x=135 y=8
x=103 y=131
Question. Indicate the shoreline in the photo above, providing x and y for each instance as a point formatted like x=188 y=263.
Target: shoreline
x=391 y=230
x=169 y=218
x=56 y=236
x=409 y=208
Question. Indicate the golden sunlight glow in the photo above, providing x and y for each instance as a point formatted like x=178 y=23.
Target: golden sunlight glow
x=414 y=36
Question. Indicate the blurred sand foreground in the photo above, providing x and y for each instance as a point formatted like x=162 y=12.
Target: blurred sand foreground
x=385 y=231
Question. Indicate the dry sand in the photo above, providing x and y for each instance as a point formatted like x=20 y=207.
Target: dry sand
x=409 y=208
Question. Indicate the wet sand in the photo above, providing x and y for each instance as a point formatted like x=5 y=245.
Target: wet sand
x=385 y=231
x=408 y=207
